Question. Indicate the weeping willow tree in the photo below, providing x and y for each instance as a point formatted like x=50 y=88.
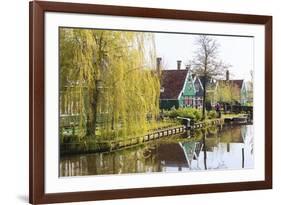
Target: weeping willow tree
x=108 y=79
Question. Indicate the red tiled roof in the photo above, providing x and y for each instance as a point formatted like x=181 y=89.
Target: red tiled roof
x=172 y=81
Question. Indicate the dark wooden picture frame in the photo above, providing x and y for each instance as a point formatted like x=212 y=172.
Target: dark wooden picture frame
x=37 y=96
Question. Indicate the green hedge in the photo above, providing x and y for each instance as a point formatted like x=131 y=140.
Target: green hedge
x=192 y=113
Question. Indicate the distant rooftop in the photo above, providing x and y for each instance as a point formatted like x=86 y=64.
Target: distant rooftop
x=238 y=83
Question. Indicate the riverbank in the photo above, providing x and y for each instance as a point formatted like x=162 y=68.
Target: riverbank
x=226 y=147
x=89 y=145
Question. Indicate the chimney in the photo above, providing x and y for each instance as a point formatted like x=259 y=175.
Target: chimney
x=179 y=64
x=158 y=65
x=227 y=75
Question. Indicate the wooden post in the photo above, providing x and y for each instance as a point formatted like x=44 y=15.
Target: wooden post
x=243 y=158
x=73 y=130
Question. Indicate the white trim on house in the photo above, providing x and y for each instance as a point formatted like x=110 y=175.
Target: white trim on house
x=196 y=77
x=243 y=87
x=185 y=81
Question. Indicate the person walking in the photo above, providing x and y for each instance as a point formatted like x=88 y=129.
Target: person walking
x=218 y=110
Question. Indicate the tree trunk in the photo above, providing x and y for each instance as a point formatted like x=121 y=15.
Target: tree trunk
x=89 y=126
x=205 y=150
x=204 y=97
x=92 y=114
x=112 y=120
x=95 y=109
x=89 y=116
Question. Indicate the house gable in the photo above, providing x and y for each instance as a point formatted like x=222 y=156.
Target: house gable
x=199 y=91
x=177 y=89
x=188 y=89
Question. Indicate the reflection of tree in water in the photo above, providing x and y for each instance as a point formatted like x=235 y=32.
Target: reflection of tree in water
x=209 y=148
x=230 y=139
x=231 y=133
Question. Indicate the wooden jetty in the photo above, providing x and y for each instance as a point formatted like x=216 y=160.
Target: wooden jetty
x=120 y=144
x=198 y=125
x=213 y=122
x=243 y=119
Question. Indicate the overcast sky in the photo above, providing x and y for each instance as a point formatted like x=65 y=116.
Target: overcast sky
x=236 y=51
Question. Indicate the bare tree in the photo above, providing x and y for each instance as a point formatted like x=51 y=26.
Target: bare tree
x=206 y=62
x=250 y=90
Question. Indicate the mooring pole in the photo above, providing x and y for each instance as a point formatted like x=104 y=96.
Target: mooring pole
x=187 y=122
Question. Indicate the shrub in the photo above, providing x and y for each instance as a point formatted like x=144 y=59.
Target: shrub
x=198 y=114
x=192 y=113
x=212 y=114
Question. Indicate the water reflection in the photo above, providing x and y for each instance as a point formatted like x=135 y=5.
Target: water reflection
x=229 y=147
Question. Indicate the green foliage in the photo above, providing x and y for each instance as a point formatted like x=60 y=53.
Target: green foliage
x=108 y=79
x=212 y=130
x=192 y=113
x=212 y=114
x=227 y=92
x=249 y=104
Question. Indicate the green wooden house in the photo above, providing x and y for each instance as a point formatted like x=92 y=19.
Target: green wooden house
x=177 y=89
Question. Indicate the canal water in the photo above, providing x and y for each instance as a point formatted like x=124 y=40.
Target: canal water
x=220 y=148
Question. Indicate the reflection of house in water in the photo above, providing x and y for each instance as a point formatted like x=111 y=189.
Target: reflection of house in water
x=178 y=156
x=231 y=148
x=191 y=151
x=172 y=157
x=228 y=148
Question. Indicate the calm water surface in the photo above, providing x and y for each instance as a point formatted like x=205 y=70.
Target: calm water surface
x=230 y=147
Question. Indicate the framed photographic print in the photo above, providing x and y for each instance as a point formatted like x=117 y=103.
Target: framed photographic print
x=139 y=102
